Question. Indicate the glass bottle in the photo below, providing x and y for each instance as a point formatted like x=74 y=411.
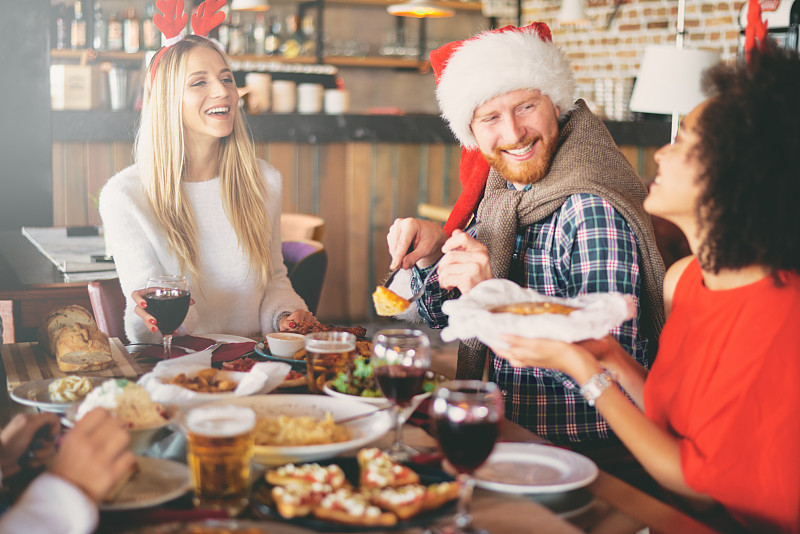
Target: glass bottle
x=793 y=34
x=62 y=27
x=151 y=39
x=130 y=32
x=236 y=40
x=259 y=35
x=78 y=28
x=309 y=46
x=99 y=31
x=293 y=44
x=114 y=41
x=272 y=42
x=223 y=30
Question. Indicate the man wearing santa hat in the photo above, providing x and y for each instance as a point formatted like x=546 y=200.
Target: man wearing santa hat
x=548 y=201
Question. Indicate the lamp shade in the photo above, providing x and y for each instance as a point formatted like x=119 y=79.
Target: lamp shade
x=669 y=79
x=249 y=5
x=419 y=9
x=572 y=13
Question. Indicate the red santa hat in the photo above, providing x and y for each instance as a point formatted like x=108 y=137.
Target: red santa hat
x=470 y=72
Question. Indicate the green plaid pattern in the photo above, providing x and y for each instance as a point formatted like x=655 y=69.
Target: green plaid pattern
x=584 y=247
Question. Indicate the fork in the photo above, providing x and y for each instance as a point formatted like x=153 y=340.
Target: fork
x=416 y=296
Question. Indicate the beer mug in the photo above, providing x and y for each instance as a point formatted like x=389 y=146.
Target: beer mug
x=219 y=453
x=327 y=355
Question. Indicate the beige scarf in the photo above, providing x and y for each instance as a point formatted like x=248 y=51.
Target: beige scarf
x=586 y=161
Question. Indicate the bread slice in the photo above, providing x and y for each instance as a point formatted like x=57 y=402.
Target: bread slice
x=79 y=347
x=58 y=319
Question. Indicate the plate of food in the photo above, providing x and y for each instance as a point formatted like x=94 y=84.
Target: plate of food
x=153 y=481
x=147 y=421
x=55 y=394
x=534 y=468
x=298 y=364
x=303 y=428
x=244 y=364
x=356 y=494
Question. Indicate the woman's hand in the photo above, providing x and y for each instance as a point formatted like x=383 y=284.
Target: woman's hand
x=465 y=263
x=297 y=316
x=572 y=359
x=425 y=238
x=141 y=309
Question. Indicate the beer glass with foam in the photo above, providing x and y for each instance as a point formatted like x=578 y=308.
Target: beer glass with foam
x=327 y=355
x=219 y=455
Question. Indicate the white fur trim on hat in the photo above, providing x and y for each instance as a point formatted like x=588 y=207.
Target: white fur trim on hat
x=494 y=64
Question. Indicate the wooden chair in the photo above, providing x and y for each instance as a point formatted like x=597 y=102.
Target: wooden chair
x=108 y=307
x=302 y=226
x=307 y=262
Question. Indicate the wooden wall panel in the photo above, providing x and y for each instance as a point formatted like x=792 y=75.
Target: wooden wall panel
x=332 y=207
x=384 y=204
x=59 y=195
x=99 y=168
x=358 y=212
x=283 y=156
x=436 y=174
x=409 y=174
x=305 y=177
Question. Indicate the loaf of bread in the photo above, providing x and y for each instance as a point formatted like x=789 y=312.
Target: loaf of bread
x=72 y=337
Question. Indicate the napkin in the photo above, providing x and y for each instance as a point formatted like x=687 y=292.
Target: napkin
x=469 y=315
x=231 y=351
x=262 y=378
x=179 y=343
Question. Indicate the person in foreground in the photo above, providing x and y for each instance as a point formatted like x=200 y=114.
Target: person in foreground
x=560 y=212
x=92 y=458
x=197 y=202
x=721 y=401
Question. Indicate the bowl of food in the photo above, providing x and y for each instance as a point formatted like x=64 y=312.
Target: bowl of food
x=303 y=428
x=285 y=344
x=147 y=421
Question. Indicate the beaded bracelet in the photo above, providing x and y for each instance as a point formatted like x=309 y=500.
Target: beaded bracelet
x=592 y=390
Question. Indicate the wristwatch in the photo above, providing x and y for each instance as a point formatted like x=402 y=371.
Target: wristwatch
x=592 y=390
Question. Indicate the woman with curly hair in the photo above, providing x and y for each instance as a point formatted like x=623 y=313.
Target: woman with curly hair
x=197 y=202
x=719 y=419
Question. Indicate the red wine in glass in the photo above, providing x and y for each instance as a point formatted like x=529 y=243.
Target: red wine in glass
x=466 y=416
x=466 y=445
x=168 y=306
x=400 y=384
x=167 y=299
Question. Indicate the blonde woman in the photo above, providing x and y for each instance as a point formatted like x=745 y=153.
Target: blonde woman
x=197 y=202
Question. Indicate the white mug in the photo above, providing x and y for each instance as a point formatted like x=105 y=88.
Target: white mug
x=258 y=99
x=309 y=98
x=284 y=99
x=337 y=101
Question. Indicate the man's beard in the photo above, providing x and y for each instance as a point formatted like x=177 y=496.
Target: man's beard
x=526 y=172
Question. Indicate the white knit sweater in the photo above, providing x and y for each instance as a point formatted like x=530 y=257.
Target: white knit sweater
x=229 y=301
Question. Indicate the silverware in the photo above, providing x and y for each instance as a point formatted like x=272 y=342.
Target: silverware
x=361 y=416
x=391 y=274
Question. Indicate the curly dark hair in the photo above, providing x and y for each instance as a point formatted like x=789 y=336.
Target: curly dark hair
x=749 y=207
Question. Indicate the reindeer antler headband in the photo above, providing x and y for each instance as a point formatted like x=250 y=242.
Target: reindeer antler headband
x=171 y=20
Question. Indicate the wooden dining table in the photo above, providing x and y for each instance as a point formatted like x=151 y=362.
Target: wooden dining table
x=606 y=505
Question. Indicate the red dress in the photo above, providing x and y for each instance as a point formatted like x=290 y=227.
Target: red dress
x=726 y=383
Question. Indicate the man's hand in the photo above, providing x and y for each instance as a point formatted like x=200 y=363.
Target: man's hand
x=297 y=316
x=424 y=237
x=94 y=454
x=31 y=434
x=465 y=263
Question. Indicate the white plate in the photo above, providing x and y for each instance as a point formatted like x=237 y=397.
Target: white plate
x=534 y=468
x=37 y=395
x=157 y=482
x=226 y=338
x=363 y=431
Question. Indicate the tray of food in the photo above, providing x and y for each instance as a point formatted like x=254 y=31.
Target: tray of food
x=355 y=494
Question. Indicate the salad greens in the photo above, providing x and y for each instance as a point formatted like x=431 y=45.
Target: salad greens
x=361 y=381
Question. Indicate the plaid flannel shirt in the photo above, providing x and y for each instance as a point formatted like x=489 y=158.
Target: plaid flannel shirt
x=584 y=247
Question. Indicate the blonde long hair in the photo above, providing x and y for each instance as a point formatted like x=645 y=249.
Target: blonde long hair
x=161 y=161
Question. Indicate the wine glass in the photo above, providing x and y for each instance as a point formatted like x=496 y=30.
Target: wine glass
x=167 y=299
x=400 y=359
x=466 y=416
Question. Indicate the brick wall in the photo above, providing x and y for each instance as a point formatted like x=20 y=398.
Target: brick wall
x=602 y=51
